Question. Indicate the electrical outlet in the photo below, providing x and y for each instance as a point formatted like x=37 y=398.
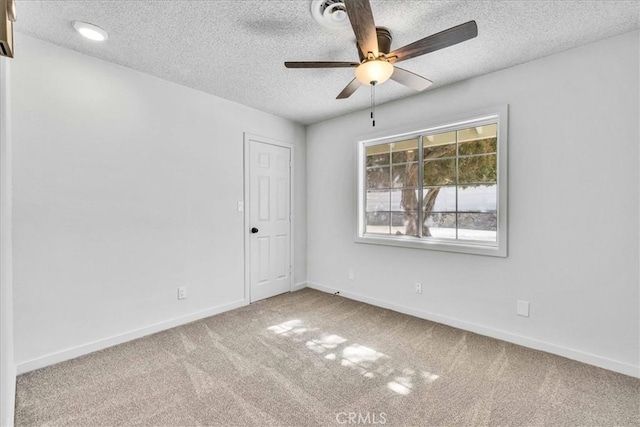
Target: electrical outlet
x=352 y=274
x=240 y=206
x=418 y=286
x=523 y=308
x=182 y=292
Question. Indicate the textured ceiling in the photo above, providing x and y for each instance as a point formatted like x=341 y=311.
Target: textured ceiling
x=236 y=49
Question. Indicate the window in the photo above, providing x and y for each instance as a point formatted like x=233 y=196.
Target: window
x=442 y=187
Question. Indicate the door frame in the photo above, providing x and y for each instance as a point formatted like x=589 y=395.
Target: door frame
x=248 y=137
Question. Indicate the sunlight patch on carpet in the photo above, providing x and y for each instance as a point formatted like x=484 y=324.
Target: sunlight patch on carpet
x=288 y=328
x=367 y=361
x=324 y=343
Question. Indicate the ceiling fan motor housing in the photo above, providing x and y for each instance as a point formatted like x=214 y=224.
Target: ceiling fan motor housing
x=384 y=42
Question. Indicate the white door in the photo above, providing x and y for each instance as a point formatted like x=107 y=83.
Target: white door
x=270 y=219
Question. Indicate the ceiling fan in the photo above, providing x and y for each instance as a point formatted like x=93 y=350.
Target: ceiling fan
x=374 y=45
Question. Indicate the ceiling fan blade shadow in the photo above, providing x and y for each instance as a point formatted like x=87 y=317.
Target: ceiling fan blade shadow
x=410 y=79
x=364 y=27
x=319 y=64
x=446 y=38
x=349 y=89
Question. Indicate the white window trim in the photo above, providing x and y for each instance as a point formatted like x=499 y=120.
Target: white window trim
x=497 y=115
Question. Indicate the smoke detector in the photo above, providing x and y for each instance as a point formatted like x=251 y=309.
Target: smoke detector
x=330 y=13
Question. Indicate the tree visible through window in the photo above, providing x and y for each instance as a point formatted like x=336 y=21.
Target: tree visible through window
x=435 y=185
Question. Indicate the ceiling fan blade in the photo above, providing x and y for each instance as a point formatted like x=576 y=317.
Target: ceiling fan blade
x=349 y=89
x=319 y=64
x=446 y=38
x=410 y=79
x=364 y=27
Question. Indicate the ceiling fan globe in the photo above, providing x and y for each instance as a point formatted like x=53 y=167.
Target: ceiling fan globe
x=375 y=70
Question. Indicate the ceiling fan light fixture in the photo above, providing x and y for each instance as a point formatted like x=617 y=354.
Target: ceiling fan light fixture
x=375 y=70
x=90 y=31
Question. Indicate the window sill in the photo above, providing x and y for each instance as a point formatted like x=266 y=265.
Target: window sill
x=466 y=247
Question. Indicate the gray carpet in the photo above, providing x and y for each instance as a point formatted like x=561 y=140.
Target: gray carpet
x=310 y=358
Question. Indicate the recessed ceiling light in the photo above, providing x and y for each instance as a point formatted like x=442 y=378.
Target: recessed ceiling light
x=90 y=31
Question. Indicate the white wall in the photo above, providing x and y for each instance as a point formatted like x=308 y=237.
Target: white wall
x=573 y=210
x=125 y=187
x=7 y=365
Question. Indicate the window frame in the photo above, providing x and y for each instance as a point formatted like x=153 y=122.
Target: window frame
x=495 y=115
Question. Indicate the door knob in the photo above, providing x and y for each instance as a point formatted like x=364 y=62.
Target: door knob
x=254 y=230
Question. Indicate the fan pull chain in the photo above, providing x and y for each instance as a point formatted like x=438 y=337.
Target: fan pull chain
x=373 y=103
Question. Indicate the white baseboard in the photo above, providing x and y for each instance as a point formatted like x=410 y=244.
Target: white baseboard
x=81 y=350
x=591 y=359
x=299 y=286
